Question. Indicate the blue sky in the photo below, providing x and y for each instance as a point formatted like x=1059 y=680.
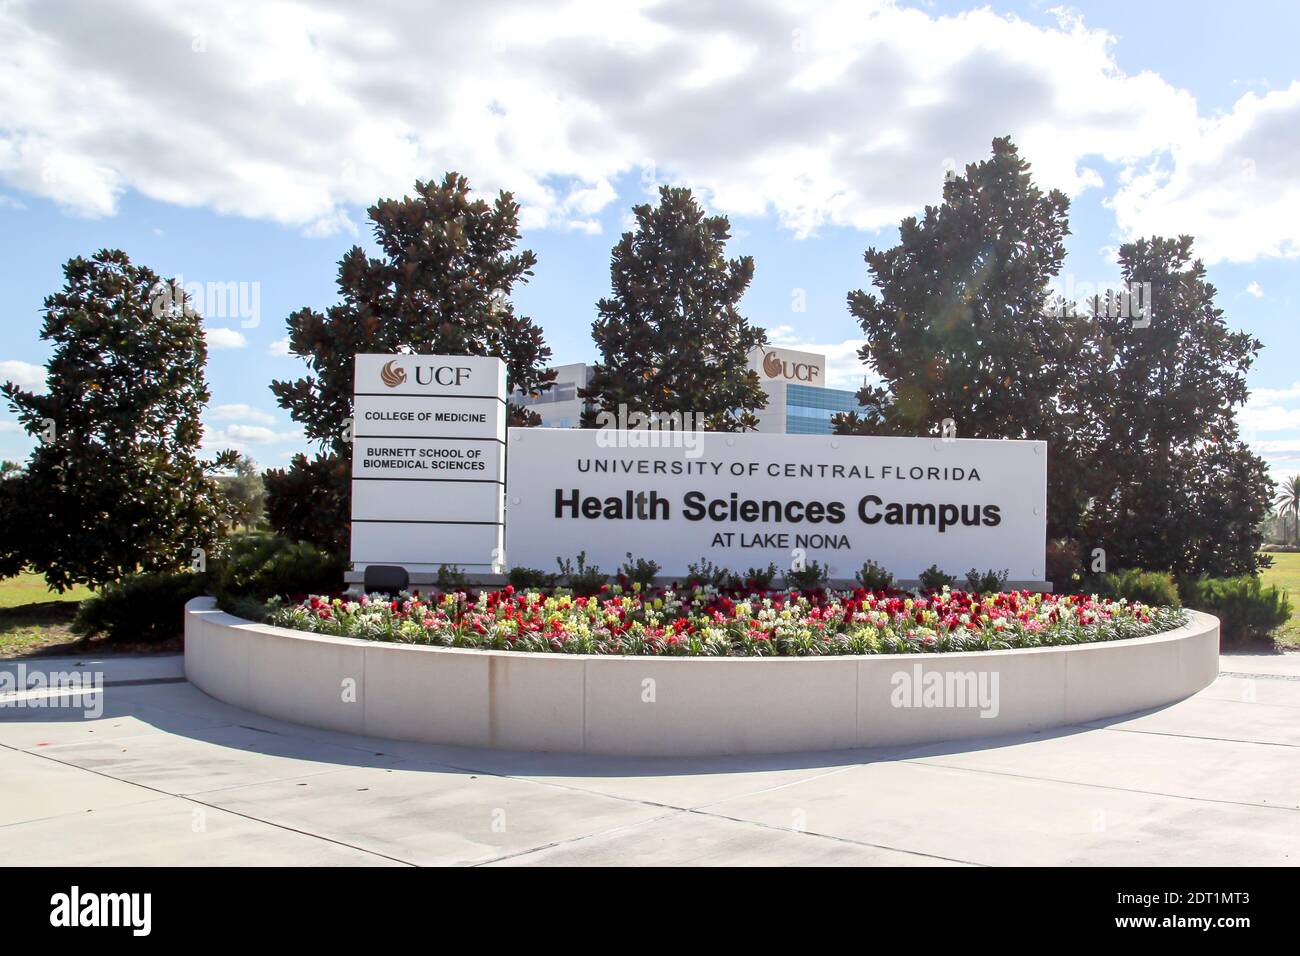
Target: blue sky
x=234 y=143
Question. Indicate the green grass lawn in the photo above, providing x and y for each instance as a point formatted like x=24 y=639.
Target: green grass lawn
x=32 y=617
x=1285 y=573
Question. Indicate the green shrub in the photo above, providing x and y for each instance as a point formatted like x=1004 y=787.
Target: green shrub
x=1245 y=608
x=263 y=566
x=706 y=572
x=583 y=580
x=760 y=578
x=990 y=582
x=932 y=579
x=641 y=571
x=873 y=577
x=451 y=578
x=1156 y=588
x=251 y=609
x=531 y=579
x=141 y=608
x=808 y=578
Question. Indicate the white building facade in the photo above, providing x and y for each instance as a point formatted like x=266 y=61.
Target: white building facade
x=559 y=406
x=798 y=401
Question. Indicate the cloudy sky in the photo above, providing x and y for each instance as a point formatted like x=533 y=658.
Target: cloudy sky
x=237 y=145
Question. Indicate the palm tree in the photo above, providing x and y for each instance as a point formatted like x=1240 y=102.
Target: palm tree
x=1289 y=500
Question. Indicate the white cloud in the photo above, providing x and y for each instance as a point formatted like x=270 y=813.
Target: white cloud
x=590 y=199
x=1262 y=396
x=279 y=348
x=24 y=374
x=1267 y=413
x=1231 y=181
x=333 y=223
x=226 y=413
x=589 y=226
x=7 y=426
x=1256 y=290
x=245 y=438
x=1267 y=418
x=241 y=426
x=259 y=434
x=841 y=113
x=225 y=338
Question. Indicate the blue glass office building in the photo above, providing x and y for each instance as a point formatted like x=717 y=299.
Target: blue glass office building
x=809 y=409
x=798 y=402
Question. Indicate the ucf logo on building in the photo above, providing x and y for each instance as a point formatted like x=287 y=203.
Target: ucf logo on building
x=791 y=366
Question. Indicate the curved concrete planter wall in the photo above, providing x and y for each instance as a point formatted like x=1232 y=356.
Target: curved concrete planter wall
x=675 y=706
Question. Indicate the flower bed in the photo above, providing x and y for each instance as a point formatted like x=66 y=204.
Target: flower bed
x=704 y=622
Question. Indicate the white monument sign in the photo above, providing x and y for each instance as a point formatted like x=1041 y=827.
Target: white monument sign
x=428 y=461
x=747 y=500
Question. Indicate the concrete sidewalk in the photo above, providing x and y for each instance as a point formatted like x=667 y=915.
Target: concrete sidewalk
x=169 y=776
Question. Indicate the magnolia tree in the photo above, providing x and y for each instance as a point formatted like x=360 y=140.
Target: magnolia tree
x=671 y=337
x=1165 y=480
x=956 y=314
x=1138 y=406
x=114 y=485
x=440 y=285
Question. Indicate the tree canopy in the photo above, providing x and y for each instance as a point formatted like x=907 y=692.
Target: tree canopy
x=441 y=285
x=1139 y=412
x=670 y=335
x=1165 y=479
x=114 y=485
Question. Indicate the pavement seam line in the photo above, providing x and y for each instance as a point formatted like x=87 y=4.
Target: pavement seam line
x=673 y=812
x=1101 y=786
x=706 y=814
x=834 y=838
x=220 y=809
x=80 y=813
x=782 y=786
x=1224 y=740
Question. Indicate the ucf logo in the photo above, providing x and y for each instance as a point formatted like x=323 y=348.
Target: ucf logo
x=394 y=375
x=774 y=367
